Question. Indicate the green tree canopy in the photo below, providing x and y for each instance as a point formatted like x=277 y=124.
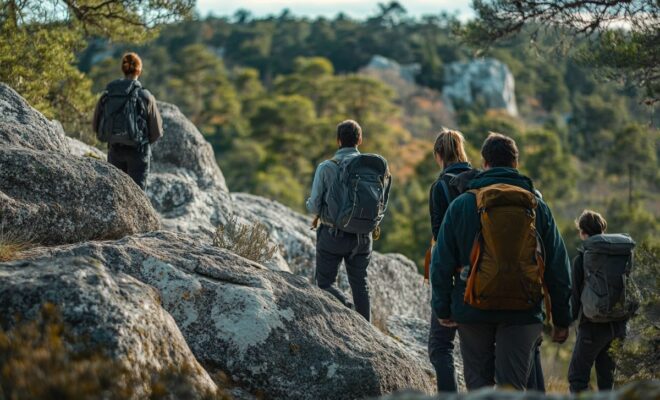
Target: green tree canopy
x=39 y=40
x=624 y=34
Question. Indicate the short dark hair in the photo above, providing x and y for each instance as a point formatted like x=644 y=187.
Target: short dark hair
x=591 y=223
x=349 y=133
x=499 y=151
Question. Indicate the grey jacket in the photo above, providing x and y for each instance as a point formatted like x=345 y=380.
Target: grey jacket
x=326 y=174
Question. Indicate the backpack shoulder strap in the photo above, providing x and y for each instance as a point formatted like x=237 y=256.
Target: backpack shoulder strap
x=445 y=190
x=445 y=186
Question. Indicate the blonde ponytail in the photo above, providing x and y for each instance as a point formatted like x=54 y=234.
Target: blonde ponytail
x=450 y=146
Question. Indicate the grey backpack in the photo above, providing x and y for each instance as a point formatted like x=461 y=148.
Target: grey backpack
x=357 y=200
x=609 y=293
x=122 y=117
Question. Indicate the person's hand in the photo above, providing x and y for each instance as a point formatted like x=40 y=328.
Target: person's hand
x=559 y=334
x=448 y=323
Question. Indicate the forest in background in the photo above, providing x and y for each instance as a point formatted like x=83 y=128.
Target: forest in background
x=268 y=92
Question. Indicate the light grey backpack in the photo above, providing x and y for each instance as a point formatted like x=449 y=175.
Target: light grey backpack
x=609 y=293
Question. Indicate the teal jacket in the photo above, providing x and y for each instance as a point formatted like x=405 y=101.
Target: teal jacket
x=452 y=250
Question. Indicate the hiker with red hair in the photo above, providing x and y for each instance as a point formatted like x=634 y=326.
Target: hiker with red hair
x=127 y=118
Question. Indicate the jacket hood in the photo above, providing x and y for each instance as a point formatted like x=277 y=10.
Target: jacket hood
x=462 y=180
x=495 y=175
x=123 y=85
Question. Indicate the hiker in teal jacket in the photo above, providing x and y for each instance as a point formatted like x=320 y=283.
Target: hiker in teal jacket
x=457 y=233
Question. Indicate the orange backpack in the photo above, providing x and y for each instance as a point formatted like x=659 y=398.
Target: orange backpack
x=507 y=260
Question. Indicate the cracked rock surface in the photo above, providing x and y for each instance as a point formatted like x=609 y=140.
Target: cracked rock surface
x=104 y=310
x=269 y=331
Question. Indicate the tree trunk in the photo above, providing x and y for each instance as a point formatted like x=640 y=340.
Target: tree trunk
x=630 y=186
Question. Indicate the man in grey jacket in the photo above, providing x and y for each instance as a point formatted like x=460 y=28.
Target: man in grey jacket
x=332 y=244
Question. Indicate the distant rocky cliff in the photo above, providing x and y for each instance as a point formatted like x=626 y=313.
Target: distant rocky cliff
x=487 y=82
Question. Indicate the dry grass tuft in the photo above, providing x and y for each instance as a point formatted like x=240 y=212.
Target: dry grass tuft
x=12 y=245
x=248 y=241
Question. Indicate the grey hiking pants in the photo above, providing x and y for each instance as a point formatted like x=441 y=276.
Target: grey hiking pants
x=333 y=247
x=592 y=347
x=499 y=354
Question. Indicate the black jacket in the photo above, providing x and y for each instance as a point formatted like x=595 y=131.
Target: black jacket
x=438 y=204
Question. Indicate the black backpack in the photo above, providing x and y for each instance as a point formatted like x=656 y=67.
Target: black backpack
x=357 y=200
x=453 y=185
x=123 y=115
x=609 y=293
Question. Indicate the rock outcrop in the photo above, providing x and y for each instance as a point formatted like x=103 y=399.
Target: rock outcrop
x=80 y=149
x=50 y=197
x=487 y=81
x=108 y=312
x=271 y=332
x=23 y=126
x=186 y=185
x=396 y=287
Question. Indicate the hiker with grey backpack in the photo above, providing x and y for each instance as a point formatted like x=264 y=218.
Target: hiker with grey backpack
x=127 y=118
x=349 y=198
x=604 y=299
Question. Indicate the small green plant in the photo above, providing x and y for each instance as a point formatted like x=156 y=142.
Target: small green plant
x=248 y=241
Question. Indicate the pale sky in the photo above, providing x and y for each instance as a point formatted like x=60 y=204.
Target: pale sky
x=330 y=8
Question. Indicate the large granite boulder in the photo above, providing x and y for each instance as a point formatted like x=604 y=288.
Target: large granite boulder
x=102 y=311
x=50 y=197
x=21 y=125
x=270 y=332
x=186 y=185
x=396 y=287
x=487 y=81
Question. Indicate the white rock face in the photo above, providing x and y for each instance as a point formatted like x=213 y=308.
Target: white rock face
x=484 y=80
x=269 y=331
x=186 y=185
x=80 y=149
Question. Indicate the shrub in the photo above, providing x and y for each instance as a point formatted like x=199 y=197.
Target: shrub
x=638 y=356
x=248 y=241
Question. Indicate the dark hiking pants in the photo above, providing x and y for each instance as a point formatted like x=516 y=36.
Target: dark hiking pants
x=441 y=354
x=536 y=379
x=592 y=347
x=134 y=161
x=333 y=247
x=499 y=354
